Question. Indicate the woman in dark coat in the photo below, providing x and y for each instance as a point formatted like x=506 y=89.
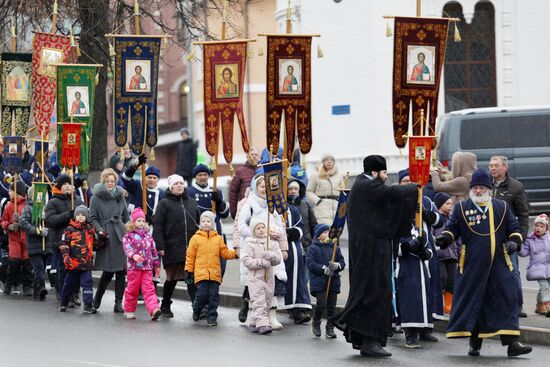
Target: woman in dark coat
x=175 y=222
x=297 y=197
x=108 y=215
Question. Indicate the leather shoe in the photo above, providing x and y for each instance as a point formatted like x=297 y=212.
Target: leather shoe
x=374 y=350
x=428 y=338
x=473 y=352
x=516 y=349
x=522 y=314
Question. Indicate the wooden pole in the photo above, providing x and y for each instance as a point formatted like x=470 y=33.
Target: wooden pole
x=13 y=36
x=418 y=8
x=136 y=17
x=224 y=19
x=72 y=184
x=418 y=218
x=54 y=17
x=289 y=18
x=330 y=274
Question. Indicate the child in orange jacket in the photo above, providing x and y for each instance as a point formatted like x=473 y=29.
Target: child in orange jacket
x=202 y=264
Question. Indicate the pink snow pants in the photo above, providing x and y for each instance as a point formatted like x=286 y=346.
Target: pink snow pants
x=140 y=279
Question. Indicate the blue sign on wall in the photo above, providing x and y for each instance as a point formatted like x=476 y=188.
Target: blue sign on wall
x=341 y=110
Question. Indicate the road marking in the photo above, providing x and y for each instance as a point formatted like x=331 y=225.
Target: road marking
x=90 y=363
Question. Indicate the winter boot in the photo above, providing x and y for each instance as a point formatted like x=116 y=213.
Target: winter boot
x=89 y=309
x=167 y=293
x=120 y=283
x=273 y=322
x=547 y=305
x=541 y=309
x=165 y=308
x=264 y=330
x=329 y=331
x=102 y=286
x=76 y=299
x=516 y=349
x=42 y=291
x=316 y=328
x=118 y=307
x=243 y=312
x=35 y=290
x=448 y=298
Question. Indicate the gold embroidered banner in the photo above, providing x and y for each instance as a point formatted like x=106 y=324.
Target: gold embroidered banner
x=420 y=152
x=16 y=93
x=224 y=70
x=289 y=91
x=419 y=54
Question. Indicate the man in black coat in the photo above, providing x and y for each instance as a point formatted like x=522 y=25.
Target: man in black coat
x=511 y=190
x=377 y=216
x=187 y=156
x=57 y=214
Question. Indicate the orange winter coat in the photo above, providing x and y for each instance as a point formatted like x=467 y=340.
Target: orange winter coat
x=203 y=256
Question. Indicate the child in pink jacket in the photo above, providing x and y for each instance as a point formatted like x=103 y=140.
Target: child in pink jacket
x=139 y=246
x=259 y=257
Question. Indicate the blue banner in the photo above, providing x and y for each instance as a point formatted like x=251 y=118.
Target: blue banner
x=136 y=75
x=273 y=173
x=12 y=156
x=340 y=217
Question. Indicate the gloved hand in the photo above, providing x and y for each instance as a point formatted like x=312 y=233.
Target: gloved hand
x=104 y=235
x=425 y=254
x=16 y=217
x=78 y=181
x=44 y=232
x=67 y=261
x=293 y=234
x=266 y=264
x=428 y=216
x=216 y=198
x=444 y=240
x=327 y=271
x=333 y=266
x=268 y=255
x=510 y=246
x=137 y=258
x=188 y=277
x=14 y=227
x=142 y=159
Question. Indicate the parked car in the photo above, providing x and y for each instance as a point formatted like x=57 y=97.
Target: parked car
x=520 y=133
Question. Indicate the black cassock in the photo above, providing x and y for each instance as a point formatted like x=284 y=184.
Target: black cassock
x=378 y=215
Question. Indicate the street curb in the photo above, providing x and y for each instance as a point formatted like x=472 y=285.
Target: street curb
x=529 y=334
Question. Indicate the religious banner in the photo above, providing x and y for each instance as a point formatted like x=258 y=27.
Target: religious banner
x=39 y=202
x=340 y=217
x=41 y=149
x=419 y=54
x=12 y=156
x=75 y=101
x=135 y=107
x=48 y=49
x=224 y=71
x=420 y=150
x=289 y=91
x=273 y=173
x=70 y=144
x=16 y=93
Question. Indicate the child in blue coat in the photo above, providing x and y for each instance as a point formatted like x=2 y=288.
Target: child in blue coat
x=321 y=267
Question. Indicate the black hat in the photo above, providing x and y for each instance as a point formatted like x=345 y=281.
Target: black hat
x=62 y=180
x=440 y=198
x=481 y=177
x=201 y=168
x=20 y=188
x=403 y=173
x=374 y=163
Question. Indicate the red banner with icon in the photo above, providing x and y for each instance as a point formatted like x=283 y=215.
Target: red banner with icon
x=420 y=152
x=70 y=145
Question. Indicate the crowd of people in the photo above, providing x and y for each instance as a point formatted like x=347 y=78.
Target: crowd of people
x=461 y=263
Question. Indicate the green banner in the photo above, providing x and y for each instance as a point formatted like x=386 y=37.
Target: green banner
x=75 y=102
x=38 y=202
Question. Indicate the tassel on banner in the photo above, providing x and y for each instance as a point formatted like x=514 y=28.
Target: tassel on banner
x=152 y=154
x=457 y=37
x=260 y=51
x=250 y=53
x=320 y=53
x=231 y=170
x=112 y=52
x=389 y=32
x=165 y=43
x=191 y=57
x=213 y=166
x=97 y=79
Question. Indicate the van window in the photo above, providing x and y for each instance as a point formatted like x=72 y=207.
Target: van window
x=531 y=131
x=485 y=133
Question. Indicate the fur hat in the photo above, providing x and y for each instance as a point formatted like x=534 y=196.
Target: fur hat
x=173 y=179
x=320 y=228
x=81 y=209
x=152 y=171
x=374 y=163
x=403 y=173
x=254 y=221
x=136 y=214
x=201 y=168
x=543 y=218
x=20 y=188
x=62 y=180
x=440 y=198
x=481 y=177
x=208 y=214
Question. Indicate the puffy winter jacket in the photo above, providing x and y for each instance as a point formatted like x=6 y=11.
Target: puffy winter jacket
x=203 y=256
x=58 y=213
x=538 y=250
x=18 y=239
x=140 y=242
x=36 y=244
x=78 y=245
x=318 y=256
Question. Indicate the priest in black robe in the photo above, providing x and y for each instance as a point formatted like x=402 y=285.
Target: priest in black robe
x=378 y=215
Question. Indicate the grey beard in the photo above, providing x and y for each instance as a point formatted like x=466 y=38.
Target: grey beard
x=482 y=199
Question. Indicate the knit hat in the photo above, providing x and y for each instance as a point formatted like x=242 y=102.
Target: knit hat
x=173 y=179
x=327 y=156
x=294 y=184
x=201 y=168
x=481 y=177
x=152 y=171
x=320 y=228
x=254 y=221
x=81 y=209
x=543 y=218
x=20 y=188
x=184 y=131
x=440 y=198
x=374 y=163
x=136 y=214
x=62 y=180
x=402 y=174
x=208 y=214
x=115 y=158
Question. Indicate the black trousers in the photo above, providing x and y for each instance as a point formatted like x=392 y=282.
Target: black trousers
x=476 y=341
x=448 y=275
x=324 y=304
x=120 y=283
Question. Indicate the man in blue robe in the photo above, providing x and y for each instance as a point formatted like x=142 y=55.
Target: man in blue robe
x=485 y=301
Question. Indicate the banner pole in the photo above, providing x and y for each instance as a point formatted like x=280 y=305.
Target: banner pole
x=330 y=274
x=15 y=193
x=136 y=17
x=289 y=18
x=13 y=36
x=418 y=8
x=54 y=17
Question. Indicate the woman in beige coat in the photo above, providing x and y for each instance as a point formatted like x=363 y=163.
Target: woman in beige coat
x=463 y=164
x=322 y=190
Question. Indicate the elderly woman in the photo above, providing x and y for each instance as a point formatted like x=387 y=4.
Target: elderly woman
x=322 y=190
x=108 y=215
x=175 y=222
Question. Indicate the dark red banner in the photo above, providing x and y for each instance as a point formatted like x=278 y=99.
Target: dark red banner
x=70 y=145
x=420 y=152
x=224 y=70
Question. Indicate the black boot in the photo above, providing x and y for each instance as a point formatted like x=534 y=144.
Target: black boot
x=36 y=290
x=243 y=312
x=102 y=286
x=167 y=292
x=11 y=276
x=120 y=283
x=329 y=331
x=316 y=328
x=118 y=307
x=167 y=312
x=475 y=346
x=42 y=291
x=374 y=350
x=516 y=349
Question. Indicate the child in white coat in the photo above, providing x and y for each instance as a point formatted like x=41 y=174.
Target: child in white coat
x=259 y=257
